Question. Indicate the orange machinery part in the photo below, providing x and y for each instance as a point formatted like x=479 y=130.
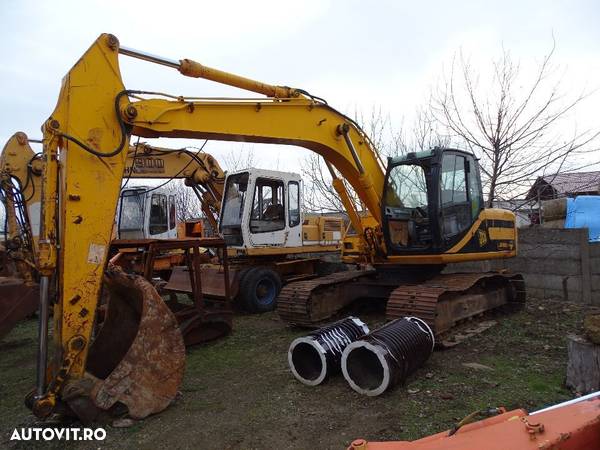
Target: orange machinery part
x=569 y=426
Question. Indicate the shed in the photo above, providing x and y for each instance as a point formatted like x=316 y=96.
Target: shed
x=565 y=185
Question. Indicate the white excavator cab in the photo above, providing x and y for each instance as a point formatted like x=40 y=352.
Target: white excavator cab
x=145 y=212
x=261 y=208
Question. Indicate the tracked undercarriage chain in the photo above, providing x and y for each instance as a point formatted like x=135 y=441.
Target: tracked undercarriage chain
x=308 y=302
x=424 y=300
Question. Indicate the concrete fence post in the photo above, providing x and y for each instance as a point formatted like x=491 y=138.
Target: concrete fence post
x=586 y=268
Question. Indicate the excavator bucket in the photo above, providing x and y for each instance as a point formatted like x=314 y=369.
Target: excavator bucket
x=136 y=362
x=18 y=300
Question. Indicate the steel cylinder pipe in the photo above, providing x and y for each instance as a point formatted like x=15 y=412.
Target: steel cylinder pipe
x=313 y=358
x=387 y=356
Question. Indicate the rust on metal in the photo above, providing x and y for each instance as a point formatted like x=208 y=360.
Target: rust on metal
x=138 y=357
x=18 y=300
x=206 y=318
x=213 y=280
x=308 y=302
x=446 y=299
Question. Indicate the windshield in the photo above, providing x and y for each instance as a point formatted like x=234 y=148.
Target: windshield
x=407 y=187
x=132 y=211
x=233 y=201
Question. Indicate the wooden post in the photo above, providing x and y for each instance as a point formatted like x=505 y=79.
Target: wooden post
x=583 y=368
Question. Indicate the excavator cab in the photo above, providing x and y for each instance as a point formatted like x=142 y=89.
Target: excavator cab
x=432 y=200
x=146 y=213
x=261 y=208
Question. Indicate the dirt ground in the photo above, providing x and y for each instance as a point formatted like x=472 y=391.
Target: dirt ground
x=239 y=393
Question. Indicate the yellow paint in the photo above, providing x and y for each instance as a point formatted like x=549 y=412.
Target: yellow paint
x=299 y=121
x=446 y=258
x=486 y=214
x=498 y=234
x=89 y=189
x=17 y=161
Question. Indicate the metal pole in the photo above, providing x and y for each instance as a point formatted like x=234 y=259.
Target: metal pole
x=149 y=57
x=344 y=130
x=568 y=402
x=330 y=168
x=194 y=69
x=42 y=338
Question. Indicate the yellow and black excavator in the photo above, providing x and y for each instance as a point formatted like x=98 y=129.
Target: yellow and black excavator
x=425 y=210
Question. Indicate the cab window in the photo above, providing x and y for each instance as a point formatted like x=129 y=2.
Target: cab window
x=407 y=207
x=158 y=214
x=456 y=209
x=268 y=213
x=131 y=214
x=475 y=194
x=294 y=203
x=172 y=212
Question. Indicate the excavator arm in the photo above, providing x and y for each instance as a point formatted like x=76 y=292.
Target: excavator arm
x=21 y=187
x=85 y=153
x=20 y=192
x=200 y=171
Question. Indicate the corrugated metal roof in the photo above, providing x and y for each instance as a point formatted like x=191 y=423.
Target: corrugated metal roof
x=565 y=183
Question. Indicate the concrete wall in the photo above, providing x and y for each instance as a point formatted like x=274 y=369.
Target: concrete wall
x=595 y=270
x=556 y=264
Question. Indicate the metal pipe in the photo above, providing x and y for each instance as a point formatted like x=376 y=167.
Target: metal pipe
x=349 y=205
x=315 y=357
x=344 y=130
x=387 y=356
x=149 y=57
x=331 y=169
x=191 y=68
x=42 y=338
x=567 y=403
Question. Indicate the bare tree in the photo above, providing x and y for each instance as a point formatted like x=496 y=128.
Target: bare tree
x=238 y=159
x=186 y=203
x=388 y=140
x=512 y=124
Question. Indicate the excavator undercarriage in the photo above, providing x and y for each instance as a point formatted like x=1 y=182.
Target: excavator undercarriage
x=442 y=300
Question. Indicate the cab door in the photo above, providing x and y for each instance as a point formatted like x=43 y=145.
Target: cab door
x=267 y=223
x=460 y=196
x=158 y=217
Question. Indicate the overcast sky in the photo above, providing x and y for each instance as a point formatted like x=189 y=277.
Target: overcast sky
x=356 y=54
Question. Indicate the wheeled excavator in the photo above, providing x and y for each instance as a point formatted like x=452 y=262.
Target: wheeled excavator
x=280 y=252
x=425 y=211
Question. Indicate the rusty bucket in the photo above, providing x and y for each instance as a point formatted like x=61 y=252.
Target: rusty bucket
x=137 y=360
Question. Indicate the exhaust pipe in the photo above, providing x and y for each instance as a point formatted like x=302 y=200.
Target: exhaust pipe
x=315 y=357
x=387 y=356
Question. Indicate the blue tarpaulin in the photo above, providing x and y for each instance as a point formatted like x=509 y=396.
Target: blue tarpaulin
x=584 y=212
